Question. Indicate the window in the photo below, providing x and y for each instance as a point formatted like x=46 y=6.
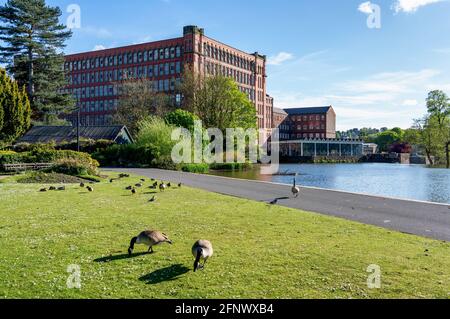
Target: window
x=167 y=53
x=172 y=52
x=150 y=55
x=178 y=51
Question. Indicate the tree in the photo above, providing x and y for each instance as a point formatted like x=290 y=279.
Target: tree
x=32 y=42
x=138 y=101
x=182 y=118
x=386 y=139
x=438 y=105
x=14 y=106
x=217 y=101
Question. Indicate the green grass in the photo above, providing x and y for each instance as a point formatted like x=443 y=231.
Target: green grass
x=260 y=251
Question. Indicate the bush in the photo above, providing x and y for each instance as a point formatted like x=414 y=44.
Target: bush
x=73 y=167
x=39 y=147
x=195 y=168
x=155 y=133
x=127 y=155
x=48 y=156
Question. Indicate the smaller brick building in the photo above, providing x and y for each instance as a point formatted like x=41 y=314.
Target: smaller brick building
x=308 y=122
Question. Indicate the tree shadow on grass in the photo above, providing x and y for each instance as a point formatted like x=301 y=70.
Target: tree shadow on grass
x=165 y=274
x=118 y=257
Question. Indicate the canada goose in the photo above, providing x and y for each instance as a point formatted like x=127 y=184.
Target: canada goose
x=152 y=187
x=124 y=175
x=111 y=180
x=133 y=191
x=153 y=199
x=149 y=238
x=162 y=187
x=295 y=189
x=129 y=188
x=52 y=188
x=152 y=179
x=155 y=184
x=169 y=185
x=179 y=185
x=138 y=185
x=90 y=189
x=82 y=185
x=43 y=190
x=142 y=180
x=62 y=188
x=202 y=250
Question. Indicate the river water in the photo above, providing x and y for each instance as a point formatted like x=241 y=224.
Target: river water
x=415 y=182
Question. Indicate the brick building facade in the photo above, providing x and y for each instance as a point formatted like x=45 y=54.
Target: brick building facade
x=95 y=77
x=305 y=123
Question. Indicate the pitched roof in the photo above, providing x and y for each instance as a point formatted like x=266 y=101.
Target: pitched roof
x=308 y=110
x=279 y=111
x=59 y=134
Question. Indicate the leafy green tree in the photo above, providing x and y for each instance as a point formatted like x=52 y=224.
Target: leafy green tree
x=32 y=42
x=438 y=105
x=182 y=118
x=386 y=139
x=217 y=101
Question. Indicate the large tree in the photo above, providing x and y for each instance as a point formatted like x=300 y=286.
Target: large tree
x=138 y=101
x=218 y=101
x=32 y=43
x=15 y=108
x=438 y=105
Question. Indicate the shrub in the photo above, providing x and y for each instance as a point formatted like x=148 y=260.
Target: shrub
x=74 y=167
x=127 y=155
x=39 y=147
x=155 y=133
x=195 y=168
x=182 y=118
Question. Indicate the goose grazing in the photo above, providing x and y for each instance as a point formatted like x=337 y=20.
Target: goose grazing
x=202 y=250
x=138 y=185
x=90 y=189
x=129 y=188
x=82 y=185
x=133 y=191
x=142 y=180
x=62 y=188
x=153 y=199
x=43 y=190
x=155 y=184
x=52 y=188
x=149 y=238
x=162 y=187
x=179 y=185
x=169 y=185
x=295 y=189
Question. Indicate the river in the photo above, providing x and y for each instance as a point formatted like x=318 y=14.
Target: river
x=415 y=182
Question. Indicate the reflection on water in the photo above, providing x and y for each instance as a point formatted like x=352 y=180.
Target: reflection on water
x=402 y=181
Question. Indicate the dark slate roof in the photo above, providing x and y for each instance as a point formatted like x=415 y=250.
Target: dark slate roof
x=308 y=110
x=59 y=134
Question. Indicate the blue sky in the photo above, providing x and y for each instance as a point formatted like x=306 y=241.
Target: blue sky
x=321 y=52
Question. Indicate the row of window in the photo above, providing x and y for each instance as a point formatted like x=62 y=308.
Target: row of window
x=238 y=76
x=298 y=118
x=311 y=127
x=150 y=71
x=114 y=90
x=227 y=57
x=125 y=58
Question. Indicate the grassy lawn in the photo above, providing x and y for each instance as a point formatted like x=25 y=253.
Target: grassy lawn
x=260 y=251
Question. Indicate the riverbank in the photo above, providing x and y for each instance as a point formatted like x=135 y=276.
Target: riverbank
x=282 y=252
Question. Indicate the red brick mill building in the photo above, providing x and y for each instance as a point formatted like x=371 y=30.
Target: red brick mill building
x=305 y=123
x=94 y=77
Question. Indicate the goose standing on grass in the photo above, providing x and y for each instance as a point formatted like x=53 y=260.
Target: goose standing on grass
x=90 y=189
x=162 y=187
x=295 y=189
x=202 y=250
x=149 y=238
x=82 y=185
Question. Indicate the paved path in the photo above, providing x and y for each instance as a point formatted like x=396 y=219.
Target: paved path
x=419 y=218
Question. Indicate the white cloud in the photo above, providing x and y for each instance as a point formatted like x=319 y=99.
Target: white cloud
x=410 y=6
x=366 y=7
x=410 y=103
x=99 y=47
x=280 y=58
